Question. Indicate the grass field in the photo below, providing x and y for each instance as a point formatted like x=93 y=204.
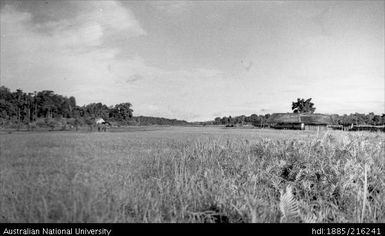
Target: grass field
x=192 y=175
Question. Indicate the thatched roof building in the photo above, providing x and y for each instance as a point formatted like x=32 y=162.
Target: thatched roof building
x=298 y=121
x=313 y=119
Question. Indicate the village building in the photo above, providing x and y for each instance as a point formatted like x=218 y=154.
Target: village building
x=102 y=124
x=372 y=128
x=99 y=121
x=299 y=121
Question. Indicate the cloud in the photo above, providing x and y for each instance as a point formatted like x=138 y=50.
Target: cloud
x=40 y=55
x=112 y=16
x=96 y=18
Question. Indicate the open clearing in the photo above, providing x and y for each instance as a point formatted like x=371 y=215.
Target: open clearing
x=191 y=174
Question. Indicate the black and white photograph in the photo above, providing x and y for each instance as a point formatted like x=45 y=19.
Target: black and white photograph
x=203 y=112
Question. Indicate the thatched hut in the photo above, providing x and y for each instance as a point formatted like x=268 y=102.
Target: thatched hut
x=99 y=121
x=372 y=128
x=299 y=121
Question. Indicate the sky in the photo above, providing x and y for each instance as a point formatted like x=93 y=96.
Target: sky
x=198 y=60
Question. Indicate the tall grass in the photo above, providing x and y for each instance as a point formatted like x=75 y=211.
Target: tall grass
x=192 y=175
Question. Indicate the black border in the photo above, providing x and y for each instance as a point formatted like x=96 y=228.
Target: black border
x=182 y=229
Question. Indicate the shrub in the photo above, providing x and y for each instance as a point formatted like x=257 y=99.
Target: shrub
x=41 y=123
x=32 y=126
x=52 y=123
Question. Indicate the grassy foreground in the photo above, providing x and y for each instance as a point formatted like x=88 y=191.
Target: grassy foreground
x=192 y=175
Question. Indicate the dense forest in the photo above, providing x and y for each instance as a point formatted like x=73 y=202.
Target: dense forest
x=47 y=109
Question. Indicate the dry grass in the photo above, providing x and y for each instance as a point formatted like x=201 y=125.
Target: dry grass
x=192 y=175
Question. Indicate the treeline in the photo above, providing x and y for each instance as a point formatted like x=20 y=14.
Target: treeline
x=149 y=120
x=254 y=119
x=47 y=109
x=358 y=119
x=261 y=120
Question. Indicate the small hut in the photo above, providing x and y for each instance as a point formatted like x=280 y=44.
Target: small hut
x=102 y=124
x=299 y=121
x=372 y=128
x=99 y=121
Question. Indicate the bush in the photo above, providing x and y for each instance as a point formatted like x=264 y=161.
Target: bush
x=3 y=122
x=32 y=126
x=131 y=122
x=41 y=123
x=52 y=123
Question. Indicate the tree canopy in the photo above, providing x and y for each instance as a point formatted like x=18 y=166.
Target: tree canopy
x=303 y=106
